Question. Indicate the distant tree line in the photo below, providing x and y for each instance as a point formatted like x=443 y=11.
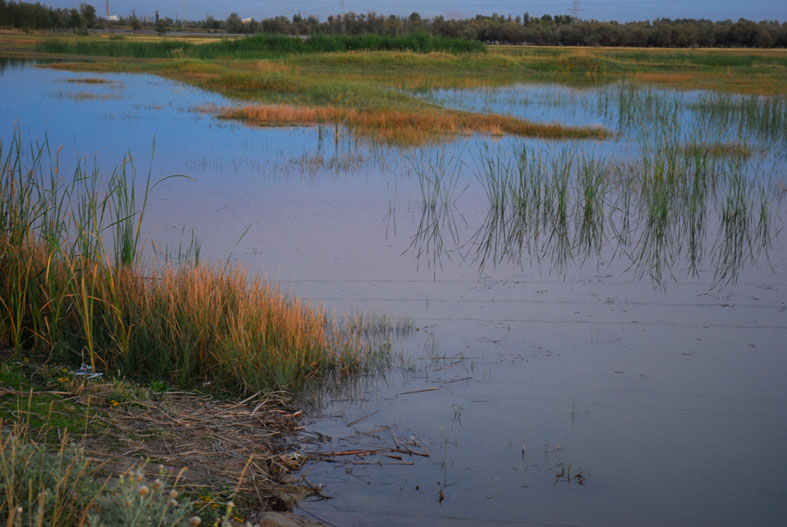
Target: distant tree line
x=25 y=15
x=558 y=30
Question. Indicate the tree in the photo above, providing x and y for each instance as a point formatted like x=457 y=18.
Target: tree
x=88 y=12
x=75 y=21
x=161 y=26
x=136 y=25
x=233 y=24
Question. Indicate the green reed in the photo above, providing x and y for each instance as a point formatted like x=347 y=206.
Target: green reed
x=655 y=209
x=74 y=289
x=438 y=176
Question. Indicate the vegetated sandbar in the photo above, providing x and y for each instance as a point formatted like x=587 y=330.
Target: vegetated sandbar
x=407 y=127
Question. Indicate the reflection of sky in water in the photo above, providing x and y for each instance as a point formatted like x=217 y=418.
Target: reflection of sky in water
x=539 y=103
x=672 y=401
x=630 y=109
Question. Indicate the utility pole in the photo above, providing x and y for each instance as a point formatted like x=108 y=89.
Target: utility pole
x=344 y=28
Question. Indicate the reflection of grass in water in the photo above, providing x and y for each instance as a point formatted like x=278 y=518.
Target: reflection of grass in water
x=438 y=175
x=764 y=117
x=657 y=209
x=63 y=298
x=715 y=118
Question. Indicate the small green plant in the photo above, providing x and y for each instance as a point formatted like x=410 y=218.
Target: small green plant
x=158 y=386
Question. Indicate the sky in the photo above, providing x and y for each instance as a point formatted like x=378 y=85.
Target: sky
x=621 y=10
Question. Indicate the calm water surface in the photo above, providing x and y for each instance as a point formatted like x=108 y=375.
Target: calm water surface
x=580 y=390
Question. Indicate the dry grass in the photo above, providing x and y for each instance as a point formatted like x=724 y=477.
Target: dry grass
x=188 y=324
x=214 y=440
x=65 y=295
x=216 y=447
x=405 y=127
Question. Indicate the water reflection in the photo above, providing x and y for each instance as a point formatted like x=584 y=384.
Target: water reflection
x=497 y=361
x=438 y=175
x=688 y=185
x=668 y=210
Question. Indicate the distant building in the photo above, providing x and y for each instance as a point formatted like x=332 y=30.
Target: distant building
x=246 y=20
x=113 y=18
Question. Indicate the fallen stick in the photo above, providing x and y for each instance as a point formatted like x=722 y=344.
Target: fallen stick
x=432 y=389
x=456 y=380
x=410 y=452
x=351 y=423
x=383 y=463
x=6 y=391
x=347 y=453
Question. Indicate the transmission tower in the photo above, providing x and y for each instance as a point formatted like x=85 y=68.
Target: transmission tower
x=575 y=10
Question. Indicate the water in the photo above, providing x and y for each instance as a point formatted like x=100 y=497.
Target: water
x=568 y=386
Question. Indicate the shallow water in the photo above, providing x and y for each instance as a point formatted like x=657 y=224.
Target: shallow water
x=575 y=390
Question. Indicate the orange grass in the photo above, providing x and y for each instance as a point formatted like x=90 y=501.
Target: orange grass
x=406 y=127
x=66 y=296
x=187 y=324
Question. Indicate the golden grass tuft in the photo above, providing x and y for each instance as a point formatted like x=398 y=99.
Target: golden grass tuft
x=64 y=295
x=406 y=127
x=188 y=324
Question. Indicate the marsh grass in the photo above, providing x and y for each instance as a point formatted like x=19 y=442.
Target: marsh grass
x=759 y=116
x=438 y=179
x=69 y=295
x=655 y=209
x=258 y=46
x=86 y=96
x=89 y=80
x=406 y=127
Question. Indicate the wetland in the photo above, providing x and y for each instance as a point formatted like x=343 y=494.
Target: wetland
x=571 y=308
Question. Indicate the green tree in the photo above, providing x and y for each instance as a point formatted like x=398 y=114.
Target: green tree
x=76 y=21
x=233 y=24
x=88 y=12
x=161 y=26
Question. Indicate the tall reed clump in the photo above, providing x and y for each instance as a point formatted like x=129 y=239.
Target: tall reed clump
x=73 y=289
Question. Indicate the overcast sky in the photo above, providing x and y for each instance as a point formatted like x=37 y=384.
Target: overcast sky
x=622 y=10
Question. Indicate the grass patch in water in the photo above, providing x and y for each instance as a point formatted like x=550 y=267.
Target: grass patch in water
x=733 y=150
x=89 y=80
x=407 y=127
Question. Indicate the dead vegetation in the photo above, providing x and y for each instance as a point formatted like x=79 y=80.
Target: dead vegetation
x=224 y=449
